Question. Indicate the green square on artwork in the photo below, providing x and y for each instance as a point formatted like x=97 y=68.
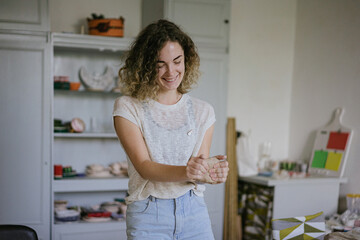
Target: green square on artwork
x=319 y=159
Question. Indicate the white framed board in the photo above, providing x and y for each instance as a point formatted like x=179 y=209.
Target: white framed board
x=331 y=147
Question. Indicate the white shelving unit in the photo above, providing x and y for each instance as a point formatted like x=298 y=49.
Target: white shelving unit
x=93 y=146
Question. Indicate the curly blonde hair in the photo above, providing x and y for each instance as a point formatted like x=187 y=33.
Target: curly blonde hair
x=137 y=77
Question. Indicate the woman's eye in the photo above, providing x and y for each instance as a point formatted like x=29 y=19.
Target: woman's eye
x=177 y=62
x=160 y=65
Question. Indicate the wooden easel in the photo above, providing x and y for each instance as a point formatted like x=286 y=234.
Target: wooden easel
x=232 y=221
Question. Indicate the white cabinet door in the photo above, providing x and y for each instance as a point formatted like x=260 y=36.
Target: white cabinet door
x=29 y=15
x=213 y=89
x=25 y=132
x=206 y=21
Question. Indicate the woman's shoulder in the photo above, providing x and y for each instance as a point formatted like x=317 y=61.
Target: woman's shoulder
x=200 y=104
x=127 y=107
x=203 y=111
x=126 y=103
x=126 y=100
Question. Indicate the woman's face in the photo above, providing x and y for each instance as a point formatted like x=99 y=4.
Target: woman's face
x=170 y=66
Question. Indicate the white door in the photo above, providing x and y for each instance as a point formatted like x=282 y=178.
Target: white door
x=25 y=132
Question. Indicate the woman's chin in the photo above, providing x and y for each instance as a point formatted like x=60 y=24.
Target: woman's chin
x=169 y=86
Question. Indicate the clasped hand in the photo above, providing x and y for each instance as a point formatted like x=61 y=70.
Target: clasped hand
x=198 y=169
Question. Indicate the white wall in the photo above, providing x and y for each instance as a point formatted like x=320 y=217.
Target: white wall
x=326 y=76
x=291 y=64
x=70 y=15
x=261 y=66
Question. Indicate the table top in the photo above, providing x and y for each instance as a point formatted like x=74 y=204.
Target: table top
x=272 y=181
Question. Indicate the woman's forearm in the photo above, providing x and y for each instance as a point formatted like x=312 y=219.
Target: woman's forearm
x=158 y=172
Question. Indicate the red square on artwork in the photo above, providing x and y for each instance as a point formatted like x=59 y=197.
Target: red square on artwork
x=337 y=140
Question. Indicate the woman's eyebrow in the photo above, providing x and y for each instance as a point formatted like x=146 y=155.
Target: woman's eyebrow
x=159 y=61
x=177 y=57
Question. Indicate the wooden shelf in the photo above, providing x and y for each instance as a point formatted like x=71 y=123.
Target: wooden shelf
x=84 y=41
x=90 y=184
x=85 y=135
x=76 y=225
x=87 y=93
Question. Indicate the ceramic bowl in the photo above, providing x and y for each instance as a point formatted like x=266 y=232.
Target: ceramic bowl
x=74 y=86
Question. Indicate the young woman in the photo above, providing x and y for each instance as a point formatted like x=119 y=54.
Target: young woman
x=166 y=135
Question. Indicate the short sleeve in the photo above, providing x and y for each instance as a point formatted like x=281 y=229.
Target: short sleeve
x=126 y=107
x=210 y=117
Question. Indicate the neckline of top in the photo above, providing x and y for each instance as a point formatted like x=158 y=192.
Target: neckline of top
x=172 y=106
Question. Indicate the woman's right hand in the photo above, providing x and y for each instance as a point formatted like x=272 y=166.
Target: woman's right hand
x=196 y=168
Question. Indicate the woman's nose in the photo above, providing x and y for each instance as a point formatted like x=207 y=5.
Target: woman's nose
x=170 y=68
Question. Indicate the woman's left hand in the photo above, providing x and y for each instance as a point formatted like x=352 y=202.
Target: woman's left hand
x=220 y=170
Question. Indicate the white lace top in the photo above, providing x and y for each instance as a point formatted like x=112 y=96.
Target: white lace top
x=172 y=133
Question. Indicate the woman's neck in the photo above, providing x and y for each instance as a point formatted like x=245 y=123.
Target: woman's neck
x=169 y=98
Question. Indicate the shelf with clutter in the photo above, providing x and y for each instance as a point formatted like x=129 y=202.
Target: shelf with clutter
x=72 y=211
x=96 y=177
x=96 y=196
x=77 y=198
x=89 y=200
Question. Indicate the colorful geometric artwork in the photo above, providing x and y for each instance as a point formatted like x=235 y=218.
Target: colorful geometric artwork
x=319 y=159
x=333 y=161
x=329 y=159
x=337 y=140
x=299 y=228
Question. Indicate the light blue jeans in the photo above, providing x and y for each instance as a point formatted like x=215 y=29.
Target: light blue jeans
x=185 y=217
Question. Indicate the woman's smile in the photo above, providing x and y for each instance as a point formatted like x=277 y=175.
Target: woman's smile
x=171 y=79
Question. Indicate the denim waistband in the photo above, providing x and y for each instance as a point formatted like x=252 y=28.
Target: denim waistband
x=189 y=193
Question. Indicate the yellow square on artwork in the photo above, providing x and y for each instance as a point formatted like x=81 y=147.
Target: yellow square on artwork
x=333 y=161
